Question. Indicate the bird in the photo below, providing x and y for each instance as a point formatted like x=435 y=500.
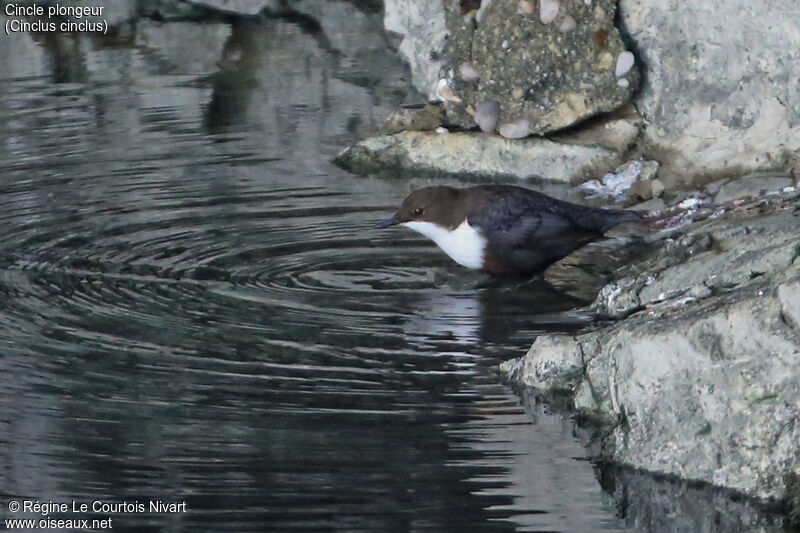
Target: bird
x=504 y=230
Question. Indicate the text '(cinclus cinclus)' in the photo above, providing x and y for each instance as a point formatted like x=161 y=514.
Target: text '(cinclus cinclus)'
x=503 y=229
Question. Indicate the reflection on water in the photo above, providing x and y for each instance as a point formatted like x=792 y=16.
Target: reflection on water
x=194 y=305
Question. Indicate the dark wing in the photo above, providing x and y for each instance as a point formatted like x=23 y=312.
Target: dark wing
x=527 y=232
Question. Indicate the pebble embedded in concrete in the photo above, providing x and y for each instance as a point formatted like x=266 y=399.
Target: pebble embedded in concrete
x=486 y=115
x=624 y=63
x=567 y=25
x=468 y=73
x=526 y=7
x=516 y=129
x=548 y=11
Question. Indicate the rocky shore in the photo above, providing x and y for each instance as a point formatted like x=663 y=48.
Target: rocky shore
x=693 y=121
x=700 y=376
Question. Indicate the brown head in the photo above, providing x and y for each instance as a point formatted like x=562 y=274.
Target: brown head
x=431 y=204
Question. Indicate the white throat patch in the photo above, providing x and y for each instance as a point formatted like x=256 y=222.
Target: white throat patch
x=464 y=244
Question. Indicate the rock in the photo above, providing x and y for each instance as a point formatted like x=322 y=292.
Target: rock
x=789 y=296
x=616 y=185
x=708 y=113
x=556 y=363
x=486 y=115
x=468 y=73
x=526 y=7
x=422 y=25
x=444 y=92
x=653 y=205
x=484 y=156
x=624 y=64
x=548 y=11
x=702 y=379
x=647 y=189
x=566 y=73
x=618 y=131
x=751 y=187
x=568 y=24
x=414 y=118
x=650 y=503
x=516 y=129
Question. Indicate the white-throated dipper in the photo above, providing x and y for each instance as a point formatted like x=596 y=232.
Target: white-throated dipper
x=503 y=229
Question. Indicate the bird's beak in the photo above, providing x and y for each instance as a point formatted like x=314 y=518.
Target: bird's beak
x=388 y=223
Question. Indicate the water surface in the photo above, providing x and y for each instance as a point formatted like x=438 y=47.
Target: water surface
x=195 y=306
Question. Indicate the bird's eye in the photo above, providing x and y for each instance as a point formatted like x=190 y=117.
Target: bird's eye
x=418 y=211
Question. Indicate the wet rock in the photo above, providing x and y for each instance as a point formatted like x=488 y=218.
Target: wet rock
x=414 y=118
x=484 y=156
x=752 y=187
x=653 y=205
x=647 y=189
x=727 y=119
x=650 y=503
x=617 y=185
x=486 y=115
x=565 y=72
x=702 y=379
x=555 y=362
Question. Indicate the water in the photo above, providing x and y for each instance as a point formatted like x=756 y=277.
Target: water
x=195 y=306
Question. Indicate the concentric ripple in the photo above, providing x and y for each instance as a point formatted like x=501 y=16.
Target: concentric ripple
x=201 y=313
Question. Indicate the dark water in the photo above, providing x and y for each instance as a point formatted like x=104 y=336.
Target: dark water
x=194 y=305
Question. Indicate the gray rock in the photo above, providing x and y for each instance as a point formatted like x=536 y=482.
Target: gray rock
x=715 y=101
x=710 y=259
x=563 y=60
x=618 y=131
x=702 y=381
x=425 y=118
x=653 y=205
x=618 y=185
x=421 y=23
x=553 y=362
x=751 y=187
x=789 y=296
x=484 y=156
x=647 y=189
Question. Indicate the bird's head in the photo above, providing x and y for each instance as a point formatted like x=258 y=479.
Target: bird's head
x=437 y=205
